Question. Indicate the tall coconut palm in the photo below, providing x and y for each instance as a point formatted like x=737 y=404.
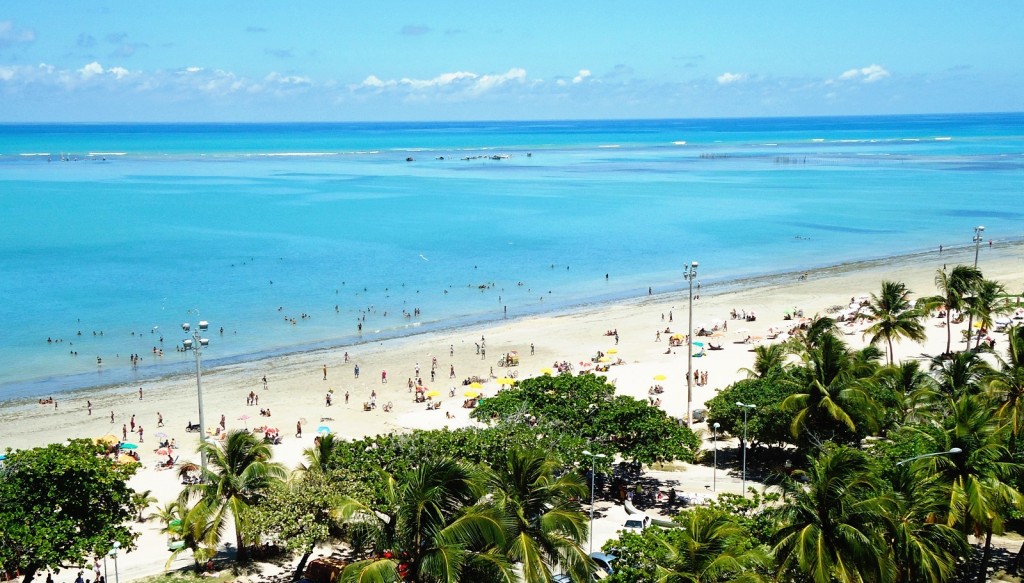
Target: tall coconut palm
x=832 y=516
x=710 y=548
x=893 y=316
x=954 y=287
x=1006 y=385
x=915 y=389
x=141 y=501
x=962 y=373
x=826 y=389
x=546 y=525
x=318 y=458
x=989 y=300
x=924 y=550
x=237 y=475
x=429 y=528
x=193 y=527
x=978 y=481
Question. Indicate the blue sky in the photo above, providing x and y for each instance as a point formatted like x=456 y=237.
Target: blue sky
x=523 y=59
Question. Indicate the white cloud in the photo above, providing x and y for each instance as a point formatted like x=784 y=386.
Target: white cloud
x=193 y=69
x=454 y=82
x=10 y=35
x=868 y=74
x=727 y=78
x=287 y=79
x=581 y=76
x=118 y=72
x=90 y=70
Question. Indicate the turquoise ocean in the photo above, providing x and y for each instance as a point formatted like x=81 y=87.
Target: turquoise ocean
x=113 y=235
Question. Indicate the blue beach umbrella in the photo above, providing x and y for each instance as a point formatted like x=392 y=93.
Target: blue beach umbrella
x=129 y=446
x=698 y=344
x=323 y=429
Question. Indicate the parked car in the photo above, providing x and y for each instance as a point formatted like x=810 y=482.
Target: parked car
x=605 y=562
x=637 y=522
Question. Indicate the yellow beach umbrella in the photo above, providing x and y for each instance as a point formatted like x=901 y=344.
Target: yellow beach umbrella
x=506 y=381
x=472 y=393
x=660 y=377
x=547 y=370
x=108 y=439
x=612 y=351
x=433 y=393
x=475 y=385
x=126 y=459
x=604 y=359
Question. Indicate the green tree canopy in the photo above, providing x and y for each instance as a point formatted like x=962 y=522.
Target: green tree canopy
x=60 y=505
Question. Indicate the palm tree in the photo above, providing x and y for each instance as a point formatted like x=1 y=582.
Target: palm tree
x=827 y=390
x=545 y=523
x=953 y=287
x=915 y=389
x=831 y=521
x=769 y=360
x=191 y=526
x=989 y=300
x=318 y=458
x=1006 y=385
x=959 y=374
x=429 y=528
x=924 y=550
x=141 y=501
x=710 y=547
x=236 y=477
x=977 y=481
x=893 y=316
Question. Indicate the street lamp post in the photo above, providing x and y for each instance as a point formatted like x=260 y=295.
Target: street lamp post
x=113 y=553
x=195 y=344
x=714 y=472
x=746 y=409
x=977 y=242
x=952 y=451
x=593 y=470
x=689 y=275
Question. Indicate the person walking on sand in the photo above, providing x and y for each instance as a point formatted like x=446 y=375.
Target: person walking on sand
x=356 y=370
x=124 y=432
x=264 y=382
x=132 y=423
x=346 y=397
x=140 y=393
x=111 y=417
x=159 y=419
x=223 y=422
x=298 y=429
x=325 y=372
x=88 y=405
x=383 y=377
x=140 y=434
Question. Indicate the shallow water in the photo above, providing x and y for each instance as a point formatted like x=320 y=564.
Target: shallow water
x=250 y=226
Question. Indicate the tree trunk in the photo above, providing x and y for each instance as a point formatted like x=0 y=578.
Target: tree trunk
x=240 y=555
x=1018 y=561
x=30 y=573
x=890 y=351
x=949 y=331
x=302 y=564
x=986 y=554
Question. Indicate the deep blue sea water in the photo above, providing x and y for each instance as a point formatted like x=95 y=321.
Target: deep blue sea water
x=130 y=230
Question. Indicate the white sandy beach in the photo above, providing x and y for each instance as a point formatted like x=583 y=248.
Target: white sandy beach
x=296 y=388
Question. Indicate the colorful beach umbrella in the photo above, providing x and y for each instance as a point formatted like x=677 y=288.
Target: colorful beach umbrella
x=162 y=435
x=660 y=377
x=547 y=370
x=323 y=429
x=604 y=359
x=129 y=446
x=163 y=451
x=698 y=343
x=472 y=393
x=506 y=381
x=612 y=351
x=108 y=439
x=434 y=393
x=126 y=459
x=475 y=385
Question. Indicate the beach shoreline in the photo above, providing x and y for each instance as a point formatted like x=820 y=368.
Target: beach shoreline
x=81 y=387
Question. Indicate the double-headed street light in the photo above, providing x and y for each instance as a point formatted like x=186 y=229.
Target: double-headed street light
x=113 y=554
x=952 y=451
x=195 y=344
x=977 y=241
x=746 y=409
x=689 y=275
x=714 y=472
x=593 y=470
